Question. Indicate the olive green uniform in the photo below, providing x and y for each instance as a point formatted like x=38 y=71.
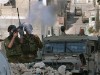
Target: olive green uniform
x=25 y=52
x=14 y=53
x=30 y=45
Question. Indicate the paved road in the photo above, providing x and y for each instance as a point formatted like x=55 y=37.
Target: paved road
x=75 y=22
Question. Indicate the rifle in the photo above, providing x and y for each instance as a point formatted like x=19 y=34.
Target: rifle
x=20 y=27
x=18 y=17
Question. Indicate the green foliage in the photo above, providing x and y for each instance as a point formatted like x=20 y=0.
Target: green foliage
x=91 y=30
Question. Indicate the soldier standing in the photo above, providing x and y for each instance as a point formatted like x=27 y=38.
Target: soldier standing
x=30 y=44
x=12 y=45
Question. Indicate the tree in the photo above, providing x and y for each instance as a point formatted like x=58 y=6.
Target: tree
x=91 y=30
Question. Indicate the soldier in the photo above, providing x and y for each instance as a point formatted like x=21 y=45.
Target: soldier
x=30 y=44
x=12 y=45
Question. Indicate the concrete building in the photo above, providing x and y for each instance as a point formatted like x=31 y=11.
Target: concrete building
x=63 y=8
x=94 y=20
x=56 y=28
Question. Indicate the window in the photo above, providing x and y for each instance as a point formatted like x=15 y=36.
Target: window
x=11 y=3
x=85 y=20
x=48 y=32
x=75 y=47
x=58 y=47
x=93 y=18
x=54 y=47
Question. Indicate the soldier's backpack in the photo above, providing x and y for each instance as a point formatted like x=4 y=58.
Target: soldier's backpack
x=31 y=44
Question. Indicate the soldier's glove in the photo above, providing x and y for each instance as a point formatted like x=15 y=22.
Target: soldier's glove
x=21 y=31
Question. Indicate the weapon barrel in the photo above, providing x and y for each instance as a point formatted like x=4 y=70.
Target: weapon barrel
x=18 y=17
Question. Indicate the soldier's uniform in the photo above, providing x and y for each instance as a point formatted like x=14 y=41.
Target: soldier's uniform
x=14 y=53
x=30 y=46
x=22 y=52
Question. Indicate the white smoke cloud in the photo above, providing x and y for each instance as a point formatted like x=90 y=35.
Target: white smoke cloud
x=46 y=15
x=3 y=1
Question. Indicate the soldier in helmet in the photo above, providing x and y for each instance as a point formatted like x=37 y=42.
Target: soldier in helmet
x=12 y=45
x=30 y=43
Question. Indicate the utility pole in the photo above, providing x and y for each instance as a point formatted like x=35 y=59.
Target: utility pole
x=94 y=3
x=29 y=5
x=97 y=19
x=29 y=8
x=97 y=30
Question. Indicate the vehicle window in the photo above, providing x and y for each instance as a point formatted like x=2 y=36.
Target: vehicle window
x=58 y=47
x=61 y=48
x=54 y=47
x=75 y=47
x=48 y=48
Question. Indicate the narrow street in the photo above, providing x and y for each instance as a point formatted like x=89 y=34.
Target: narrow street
x=75 y=22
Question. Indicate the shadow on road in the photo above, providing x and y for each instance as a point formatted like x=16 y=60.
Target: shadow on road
x=71 y=19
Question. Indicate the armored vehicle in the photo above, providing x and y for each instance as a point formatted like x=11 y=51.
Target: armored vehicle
x=70 y=50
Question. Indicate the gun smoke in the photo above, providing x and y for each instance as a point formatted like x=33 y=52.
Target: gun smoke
x=44 y=15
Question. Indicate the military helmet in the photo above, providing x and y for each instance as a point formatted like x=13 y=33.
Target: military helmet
x=11 y=27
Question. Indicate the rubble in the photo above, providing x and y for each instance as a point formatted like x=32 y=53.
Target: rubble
x=37 y=69
x=62 y=69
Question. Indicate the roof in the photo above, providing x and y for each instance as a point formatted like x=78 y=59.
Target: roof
x=92 y=37
x=63 y=38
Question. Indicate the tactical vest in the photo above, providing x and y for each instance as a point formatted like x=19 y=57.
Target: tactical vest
x=15 y=50
x=29 y=45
